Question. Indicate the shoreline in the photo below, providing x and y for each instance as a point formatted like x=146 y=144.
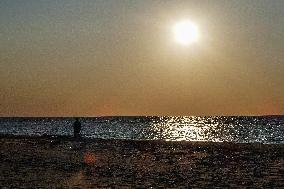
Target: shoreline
x=183 y=142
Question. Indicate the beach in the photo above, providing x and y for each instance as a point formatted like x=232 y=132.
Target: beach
x=63 y=162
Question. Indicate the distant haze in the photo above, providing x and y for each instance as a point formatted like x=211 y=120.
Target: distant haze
x=119 y=57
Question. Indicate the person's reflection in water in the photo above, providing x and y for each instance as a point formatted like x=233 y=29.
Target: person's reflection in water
x=77 y=128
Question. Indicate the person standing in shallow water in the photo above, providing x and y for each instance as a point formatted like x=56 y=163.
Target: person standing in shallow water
x=77 y=128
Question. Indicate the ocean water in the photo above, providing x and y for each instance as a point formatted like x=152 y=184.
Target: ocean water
x=261 y=129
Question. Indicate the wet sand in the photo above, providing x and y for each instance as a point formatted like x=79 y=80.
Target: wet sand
x=51 y=162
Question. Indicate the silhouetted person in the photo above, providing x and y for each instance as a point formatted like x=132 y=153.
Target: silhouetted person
x=77 y=128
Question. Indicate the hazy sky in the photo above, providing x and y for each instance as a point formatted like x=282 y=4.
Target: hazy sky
x=119 y=57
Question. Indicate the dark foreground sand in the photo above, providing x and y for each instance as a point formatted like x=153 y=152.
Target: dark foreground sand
x=50 y=162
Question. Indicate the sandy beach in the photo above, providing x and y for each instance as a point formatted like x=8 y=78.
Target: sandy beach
x=53 y=162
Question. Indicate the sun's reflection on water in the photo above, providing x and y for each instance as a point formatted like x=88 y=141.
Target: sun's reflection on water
x=189 y=128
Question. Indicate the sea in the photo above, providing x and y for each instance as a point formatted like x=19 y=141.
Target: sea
x=236 y=129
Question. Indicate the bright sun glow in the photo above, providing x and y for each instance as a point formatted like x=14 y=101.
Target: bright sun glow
x=186 y=32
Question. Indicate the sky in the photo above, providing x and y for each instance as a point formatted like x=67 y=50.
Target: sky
x=119 y=57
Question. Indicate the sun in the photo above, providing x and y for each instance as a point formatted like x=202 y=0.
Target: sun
x=186 y=32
